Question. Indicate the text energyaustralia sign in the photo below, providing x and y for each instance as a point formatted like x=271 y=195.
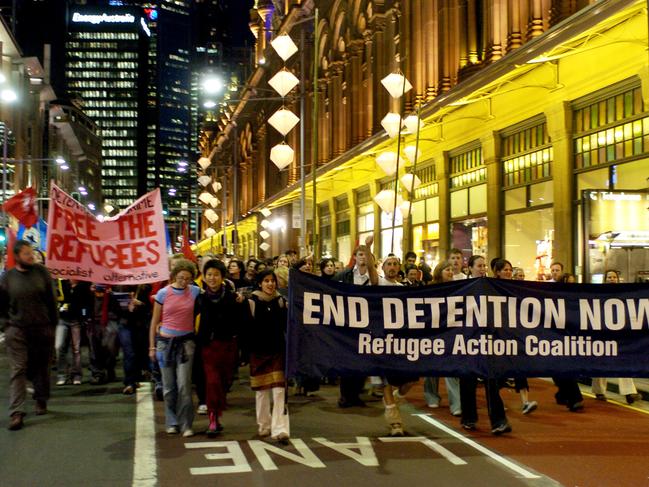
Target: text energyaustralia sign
x=101 y=18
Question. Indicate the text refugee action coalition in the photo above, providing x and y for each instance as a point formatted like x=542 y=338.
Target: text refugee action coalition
x=482 y=312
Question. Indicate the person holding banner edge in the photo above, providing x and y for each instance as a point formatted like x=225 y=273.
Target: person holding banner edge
x=173 y=325
x=468 y=384
x=363 y=273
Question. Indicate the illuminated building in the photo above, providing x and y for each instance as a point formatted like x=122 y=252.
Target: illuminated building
x=525 y=104
x=105 y=67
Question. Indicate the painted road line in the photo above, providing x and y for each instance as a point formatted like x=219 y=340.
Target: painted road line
x=485 y=451
x=145 y=467
x=618 y=403
x=433 y=445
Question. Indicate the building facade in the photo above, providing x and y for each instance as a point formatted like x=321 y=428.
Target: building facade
x=533 y=132
x=106 y=70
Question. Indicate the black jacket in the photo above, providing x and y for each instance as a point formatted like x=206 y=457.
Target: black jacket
x=221 y=315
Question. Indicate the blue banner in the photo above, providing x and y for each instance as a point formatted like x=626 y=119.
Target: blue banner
x=37 y=234
x=486 y=327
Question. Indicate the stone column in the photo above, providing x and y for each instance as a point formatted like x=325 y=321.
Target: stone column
x=442 y=170
x=491 y=157
x=559 y=120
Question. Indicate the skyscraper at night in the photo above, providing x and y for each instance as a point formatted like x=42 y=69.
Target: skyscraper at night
x=106 y=68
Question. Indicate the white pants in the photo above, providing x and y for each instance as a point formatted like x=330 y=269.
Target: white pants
x=276 y=423
x=626 y=386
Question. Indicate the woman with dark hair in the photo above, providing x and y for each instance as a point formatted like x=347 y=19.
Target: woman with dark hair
x=477 y=266
x=468 y=384
x=266 y=341
x=171 y=343
x=220 y=316
x=303 y=265
x=503 y=269
x=443 y=273
x=236 y=272
x=328 y=268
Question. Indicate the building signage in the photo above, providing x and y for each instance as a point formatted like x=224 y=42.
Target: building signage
x=103 y=18
x=145 y=27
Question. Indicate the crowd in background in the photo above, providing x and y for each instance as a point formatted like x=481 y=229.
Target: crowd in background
x=191 y=334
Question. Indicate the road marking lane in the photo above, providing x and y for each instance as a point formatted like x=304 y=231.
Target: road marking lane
x=486 y=451
x=619 y=403
x=145 y=466
x=433 y=445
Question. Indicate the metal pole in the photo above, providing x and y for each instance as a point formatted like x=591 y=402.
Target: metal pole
x=314 y=132
x=302 y=142
x=235 y=190
x=4 y=171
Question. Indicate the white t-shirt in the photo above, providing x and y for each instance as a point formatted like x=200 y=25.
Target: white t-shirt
x=459 y=276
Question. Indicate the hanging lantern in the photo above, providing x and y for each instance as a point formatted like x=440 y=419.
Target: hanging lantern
x=214 y=202
x=216 y=186
x=264 y=246
x=204 y=162
x=205 y=197
x=265 y=212
x=391 y=123
x=209 y=233
x=265 y=223
x=283 y=82
x=283 y=120
x=264 y=234
x=284 y=46
x=211 y=215
x=404 y=207
x=282 y=155
x=412 y=153
x=394 y=83
x=410 y=182
x=388 y=162
x=385 y=200
x=204 y=180
x=412 y=122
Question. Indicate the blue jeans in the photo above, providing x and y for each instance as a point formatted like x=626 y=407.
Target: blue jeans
x=131 y=339
x=68 y=332
x=177 y=382
x=431 y=392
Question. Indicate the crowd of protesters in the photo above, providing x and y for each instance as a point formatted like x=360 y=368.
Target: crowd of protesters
x=216 y=315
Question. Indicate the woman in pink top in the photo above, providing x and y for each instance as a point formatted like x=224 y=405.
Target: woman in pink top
x=171 y=343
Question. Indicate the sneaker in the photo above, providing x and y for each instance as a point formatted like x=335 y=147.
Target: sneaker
x=76 y=382
x=576 y=406
x=433 y=405
x=202 y=409
x=501 y=429
x=60 y=382
x=530 y=406
x=468 y=426
x=631 y=398
x=396 y=429
x=172 y=430
x=457 y=414
x=16 y=421
x=601 y=397
x=128 y=390
x=41 y=408
x=188 y=433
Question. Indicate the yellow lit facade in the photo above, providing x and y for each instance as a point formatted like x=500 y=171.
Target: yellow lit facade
x=507 y=153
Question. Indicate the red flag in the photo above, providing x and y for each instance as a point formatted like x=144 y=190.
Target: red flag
x=23 y=206
x=10 y=262
x=186 y=249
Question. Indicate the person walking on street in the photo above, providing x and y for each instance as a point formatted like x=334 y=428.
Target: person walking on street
x=28 y=315
x=220 y=319
x=265 y=338
x=173 y=325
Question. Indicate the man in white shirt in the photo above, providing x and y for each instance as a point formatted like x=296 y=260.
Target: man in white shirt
x=454 y=256
x=394 y=384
